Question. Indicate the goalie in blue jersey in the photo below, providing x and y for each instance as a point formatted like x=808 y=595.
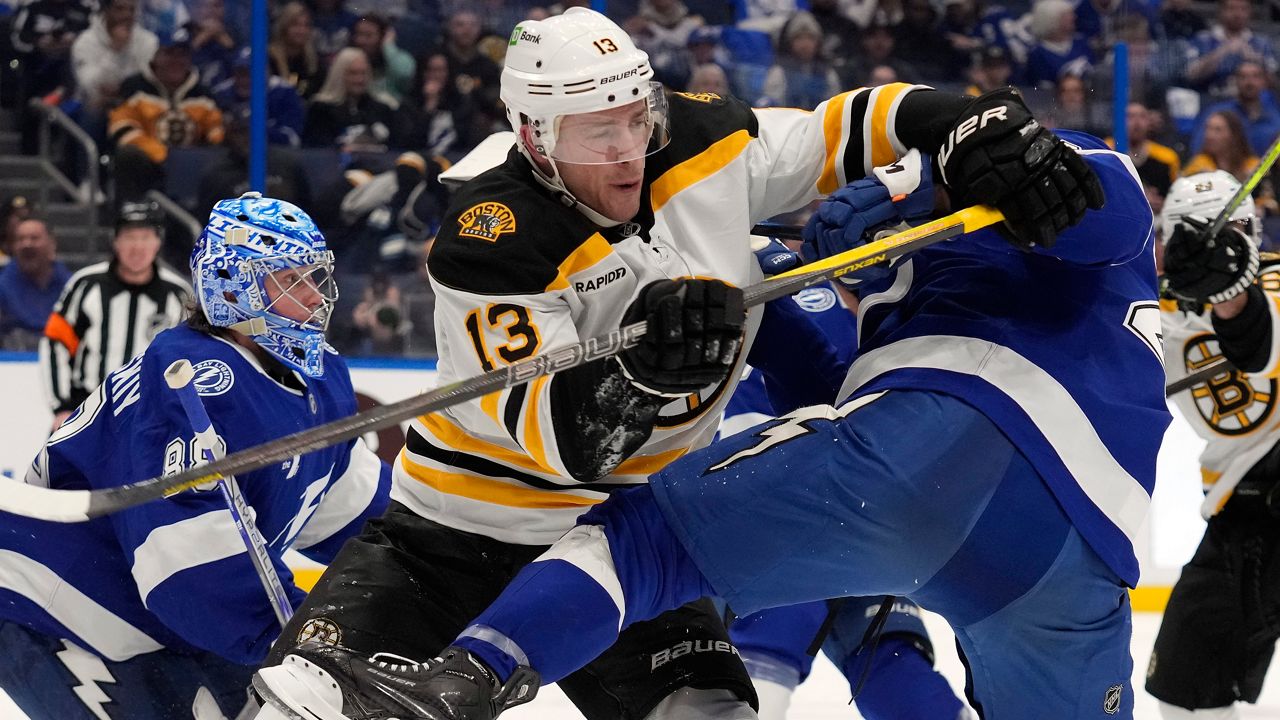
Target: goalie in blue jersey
x=157 y=612
x=990 y=456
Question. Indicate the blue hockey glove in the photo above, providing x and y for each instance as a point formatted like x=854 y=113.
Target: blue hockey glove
x=855 y=214
x=773 y=255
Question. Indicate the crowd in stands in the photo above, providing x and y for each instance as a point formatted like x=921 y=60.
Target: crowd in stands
x=355 y=83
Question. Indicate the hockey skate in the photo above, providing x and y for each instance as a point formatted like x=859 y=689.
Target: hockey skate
x=318 y=681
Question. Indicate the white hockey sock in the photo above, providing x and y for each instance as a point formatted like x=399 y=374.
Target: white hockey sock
x=775 y=682
x=1173 y=712
x=693 y=704
x=774 y=699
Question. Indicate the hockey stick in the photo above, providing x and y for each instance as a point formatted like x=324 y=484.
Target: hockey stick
x=179 y=376
x=777 y=230
x=1224 y=365
x=79 y=505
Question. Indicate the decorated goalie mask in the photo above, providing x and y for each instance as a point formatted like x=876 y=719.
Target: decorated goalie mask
x=579 y=64
x=261 y=267
x=1203 y=196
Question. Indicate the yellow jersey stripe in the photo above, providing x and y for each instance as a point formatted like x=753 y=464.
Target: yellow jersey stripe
x=458 y=439
x=489 y=404
x=700 y=166
x=590 y=252
x=1209 y=477
x=648 y=464
x=882 y=152
x=492 y=491
x=833 y=131
x=1272 y=371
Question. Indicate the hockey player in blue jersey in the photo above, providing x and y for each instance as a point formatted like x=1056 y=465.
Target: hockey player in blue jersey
x=157 y=610
x=891 y=676
x=991 y=456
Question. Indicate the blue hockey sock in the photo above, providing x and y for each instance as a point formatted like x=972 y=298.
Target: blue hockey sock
x=619 y=565
x=553 y=610
x=902 y=684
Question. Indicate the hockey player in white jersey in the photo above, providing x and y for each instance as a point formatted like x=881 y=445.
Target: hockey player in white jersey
x=1220 y=627
x=146 y=613
x=622 y=202
x=991 y=458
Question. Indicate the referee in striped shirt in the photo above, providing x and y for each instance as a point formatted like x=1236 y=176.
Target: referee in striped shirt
x=110 y=311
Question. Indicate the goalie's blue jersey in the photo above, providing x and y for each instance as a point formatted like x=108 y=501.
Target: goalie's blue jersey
x=174 y=573
x=1061 y=348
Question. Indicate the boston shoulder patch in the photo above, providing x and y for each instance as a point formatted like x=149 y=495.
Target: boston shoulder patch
x=486 y=221
x=212 y=377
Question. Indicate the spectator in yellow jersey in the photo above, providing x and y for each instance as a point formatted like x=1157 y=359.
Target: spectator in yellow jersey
x=163 y=106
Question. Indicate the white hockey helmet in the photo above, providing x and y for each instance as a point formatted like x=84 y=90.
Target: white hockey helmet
x=578 y=63
x=1203 y=196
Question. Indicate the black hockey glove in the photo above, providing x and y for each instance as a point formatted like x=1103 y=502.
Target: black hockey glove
x=997 y=154
x=695 y=330
x=420 y=198
x=1202 y=269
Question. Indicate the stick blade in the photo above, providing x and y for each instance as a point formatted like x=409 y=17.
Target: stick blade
x=41 y=503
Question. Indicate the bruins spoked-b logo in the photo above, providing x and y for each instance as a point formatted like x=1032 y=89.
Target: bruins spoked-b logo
x=486 y=221
x=1231 y=402
x=321 y=630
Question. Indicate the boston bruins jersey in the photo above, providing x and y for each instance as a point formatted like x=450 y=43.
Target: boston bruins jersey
x=518 y=272
x=1235 y=412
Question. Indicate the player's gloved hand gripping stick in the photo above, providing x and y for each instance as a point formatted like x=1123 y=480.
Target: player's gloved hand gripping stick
x=179 y=376
x=1210 y=235
x=79 y=505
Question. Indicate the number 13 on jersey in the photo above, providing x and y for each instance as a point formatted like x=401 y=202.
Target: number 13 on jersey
x=518 y=336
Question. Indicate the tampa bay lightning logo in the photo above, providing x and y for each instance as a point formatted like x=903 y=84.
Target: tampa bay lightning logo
x=816 y=299
x=212 y=377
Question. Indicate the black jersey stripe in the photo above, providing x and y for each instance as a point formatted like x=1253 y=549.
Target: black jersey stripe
x=511 y=412
x=421 y=446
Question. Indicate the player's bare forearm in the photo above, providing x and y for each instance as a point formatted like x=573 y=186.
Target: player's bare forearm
x=1231 y=308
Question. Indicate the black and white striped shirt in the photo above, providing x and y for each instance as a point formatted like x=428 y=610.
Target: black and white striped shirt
x=100 y=323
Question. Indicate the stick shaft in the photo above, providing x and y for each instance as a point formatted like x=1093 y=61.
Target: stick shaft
x=179 y=376
x=77 y=506
x=1264 y=165
x=573 y=356
x=1198 y=376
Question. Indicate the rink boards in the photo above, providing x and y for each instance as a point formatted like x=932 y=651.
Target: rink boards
x=1173 y=528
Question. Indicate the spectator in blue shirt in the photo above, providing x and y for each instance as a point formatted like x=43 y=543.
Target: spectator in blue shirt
x=213 y=49
x=1059 y=49
x=1098 y=20
x=286 y=113
x=29 y=286
x=801 y=77
x=971 y=27
x=333 y=22
x=1216 y=53
x=1255 y=105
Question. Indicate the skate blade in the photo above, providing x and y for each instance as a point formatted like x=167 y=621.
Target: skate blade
x=300 y=690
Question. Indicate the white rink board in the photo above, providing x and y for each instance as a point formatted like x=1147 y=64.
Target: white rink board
x=1173 y=529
